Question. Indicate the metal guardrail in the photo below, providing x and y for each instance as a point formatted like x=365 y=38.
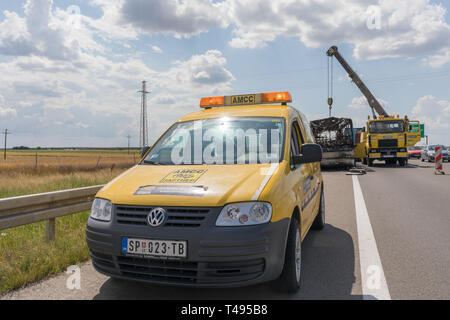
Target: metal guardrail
x=48 y=206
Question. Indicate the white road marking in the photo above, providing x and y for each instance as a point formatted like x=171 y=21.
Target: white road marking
x=374 y=285
x=268 y=174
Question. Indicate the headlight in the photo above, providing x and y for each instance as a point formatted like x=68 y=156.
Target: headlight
x=101 y=210
x=244 y=214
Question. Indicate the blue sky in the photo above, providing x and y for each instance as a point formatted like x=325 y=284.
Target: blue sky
x=70 y=70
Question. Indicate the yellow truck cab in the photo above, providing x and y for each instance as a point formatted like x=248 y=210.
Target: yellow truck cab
x=387 y=139
x=224 y=198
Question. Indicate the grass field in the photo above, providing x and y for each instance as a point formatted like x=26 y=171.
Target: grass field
x=24 y=254
x=36 y=162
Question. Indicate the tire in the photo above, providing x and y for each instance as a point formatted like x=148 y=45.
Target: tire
x=319 y=221
x=402 y=162
x=370 y=162
x=289 y=280
x=422 y=159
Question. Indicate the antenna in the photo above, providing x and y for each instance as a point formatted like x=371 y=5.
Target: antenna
x=143 y=140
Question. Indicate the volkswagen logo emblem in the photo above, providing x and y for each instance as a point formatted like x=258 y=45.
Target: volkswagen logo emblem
x=156 y=217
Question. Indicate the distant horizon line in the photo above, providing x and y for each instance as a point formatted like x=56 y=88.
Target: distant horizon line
x=81 y=148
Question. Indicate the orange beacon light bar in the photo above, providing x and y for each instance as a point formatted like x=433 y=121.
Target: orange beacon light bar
x=246 y=99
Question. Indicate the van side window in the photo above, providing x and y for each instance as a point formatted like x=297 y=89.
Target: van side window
x=296 y=141
x=307 y=127
x=295 y=146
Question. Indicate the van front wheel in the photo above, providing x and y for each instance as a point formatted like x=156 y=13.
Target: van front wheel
x=289 y=280
x=319 y=221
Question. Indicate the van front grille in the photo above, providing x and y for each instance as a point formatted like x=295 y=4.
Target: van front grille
x=176 y=216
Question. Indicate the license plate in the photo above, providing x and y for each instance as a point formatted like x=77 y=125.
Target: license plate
x=158 y=248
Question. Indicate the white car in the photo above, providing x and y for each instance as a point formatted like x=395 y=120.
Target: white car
x=428 y=153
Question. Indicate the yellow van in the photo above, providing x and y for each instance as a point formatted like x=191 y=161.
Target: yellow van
x=224 y=198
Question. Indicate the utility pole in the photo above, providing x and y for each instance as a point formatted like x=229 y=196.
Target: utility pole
x=129 y=137
x=6 y=138
x=143 y=140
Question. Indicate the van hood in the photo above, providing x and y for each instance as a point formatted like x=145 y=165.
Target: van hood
x=201 y=185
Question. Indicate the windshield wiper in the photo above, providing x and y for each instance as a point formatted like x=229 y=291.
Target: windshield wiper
x=153 y=162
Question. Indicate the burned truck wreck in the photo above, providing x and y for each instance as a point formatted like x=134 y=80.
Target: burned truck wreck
x=336 y=137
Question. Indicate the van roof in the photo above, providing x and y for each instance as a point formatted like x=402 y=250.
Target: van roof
x=280 y=111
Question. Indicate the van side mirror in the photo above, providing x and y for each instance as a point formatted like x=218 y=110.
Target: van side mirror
x=144 y=151
x=311 y=152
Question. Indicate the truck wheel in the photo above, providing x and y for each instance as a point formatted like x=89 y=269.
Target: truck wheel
x=319 y=221
x=402 y=162
x=289 y=280
x=370 y=162
x=364 y=161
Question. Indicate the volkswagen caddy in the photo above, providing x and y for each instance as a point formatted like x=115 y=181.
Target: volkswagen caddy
x=223 y=198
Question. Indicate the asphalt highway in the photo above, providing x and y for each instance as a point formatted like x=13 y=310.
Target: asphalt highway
x=387 y=237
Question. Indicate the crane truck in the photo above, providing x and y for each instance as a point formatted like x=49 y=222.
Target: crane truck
x=385 y=137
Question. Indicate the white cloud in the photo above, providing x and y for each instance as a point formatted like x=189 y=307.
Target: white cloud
x=361 y=103
x=181 y=18
x=47 y=32
x=6 y=111
x=204 y=72
x=407 y=28
x=163 y=98
x=92 y=95
x=14 y=36
x=438 y=60
x=70 y=85
x=110 y=25
x=156 y=49
x=435 y=113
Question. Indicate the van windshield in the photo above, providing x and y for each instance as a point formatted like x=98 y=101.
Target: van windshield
x=394 y=126
x=249 y=140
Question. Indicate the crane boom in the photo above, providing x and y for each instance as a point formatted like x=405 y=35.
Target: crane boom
x=373 y=102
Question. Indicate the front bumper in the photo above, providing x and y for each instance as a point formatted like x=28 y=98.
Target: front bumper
x=387 y=154
x=444 y=157
x=414 y=155
x=217 y=256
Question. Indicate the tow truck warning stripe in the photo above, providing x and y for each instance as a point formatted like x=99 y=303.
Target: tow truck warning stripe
x=269 y=174
x=374 y=285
